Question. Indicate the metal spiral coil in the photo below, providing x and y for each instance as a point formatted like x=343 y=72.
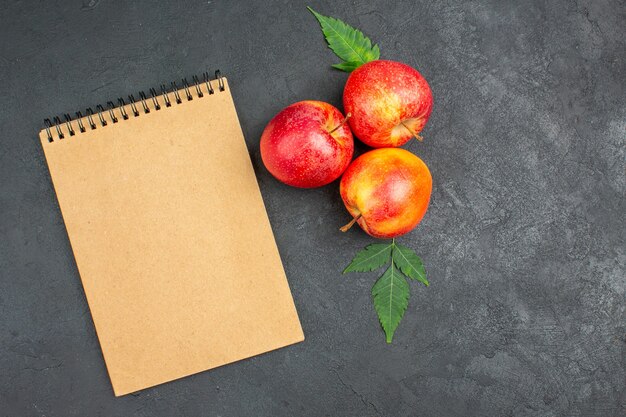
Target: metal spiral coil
x=118 y=113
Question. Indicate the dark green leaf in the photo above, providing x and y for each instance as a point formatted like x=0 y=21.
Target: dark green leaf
x=372 y=257
x=409 y=263
x=347 y=42
x=391 y=298
x=347 y=66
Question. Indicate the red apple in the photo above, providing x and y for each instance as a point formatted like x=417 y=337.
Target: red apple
x=307 y=144
x=390 y=103
x=386 y=191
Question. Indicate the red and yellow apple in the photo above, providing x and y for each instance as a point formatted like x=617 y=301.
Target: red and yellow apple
x=390 y=103
x=386 y=191
x=308 y=144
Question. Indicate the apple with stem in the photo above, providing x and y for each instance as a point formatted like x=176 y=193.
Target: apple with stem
x=308 y=144
x=386 y=191
x=390 y=103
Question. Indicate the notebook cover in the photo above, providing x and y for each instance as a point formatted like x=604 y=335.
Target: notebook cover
x=171 y=239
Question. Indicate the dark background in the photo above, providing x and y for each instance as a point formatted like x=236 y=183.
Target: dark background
x=523 y=241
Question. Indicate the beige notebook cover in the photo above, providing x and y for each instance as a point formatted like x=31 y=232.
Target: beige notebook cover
x=171 y=237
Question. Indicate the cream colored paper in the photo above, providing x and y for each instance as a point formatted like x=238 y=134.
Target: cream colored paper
x=171 y=239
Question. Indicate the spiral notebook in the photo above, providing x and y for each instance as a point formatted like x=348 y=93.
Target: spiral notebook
x=169 y=233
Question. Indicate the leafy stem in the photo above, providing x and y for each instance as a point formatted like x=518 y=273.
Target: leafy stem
x=390 y=292
x=348 y=43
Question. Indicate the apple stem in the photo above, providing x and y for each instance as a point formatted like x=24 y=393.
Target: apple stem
x=418 y=137
x=343 y=122
x=349 y=225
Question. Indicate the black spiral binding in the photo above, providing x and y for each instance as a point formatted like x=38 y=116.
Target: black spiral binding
x=98 y=119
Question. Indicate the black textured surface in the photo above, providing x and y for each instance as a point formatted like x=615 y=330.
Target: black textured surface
x=523 y=241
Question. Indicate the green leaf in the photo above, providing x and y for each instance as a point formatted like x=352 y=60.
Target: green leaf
x=347 y=66
x=372 y=257
x=409 y=263
x=391 y=298
x=347 y=42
